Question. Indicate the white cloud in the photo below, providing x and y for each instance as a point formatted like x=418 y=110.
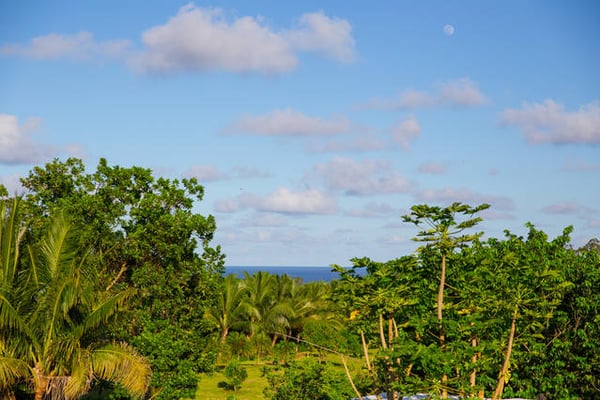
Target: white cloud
x=201 y=39
x=198 y=39
x=80 y=46
x=205 y=173
x=204 y=39
x=16 y=144
x=405 y=131
x=329 y=36
x=290 y=123
x=450 y=195
x=432 y=168
x=461 y=92
x=360 y=177
x=286 y=201
x=548 y=122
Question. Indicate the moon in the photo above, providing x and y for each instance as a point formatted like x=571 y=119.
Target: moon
x=448 y=30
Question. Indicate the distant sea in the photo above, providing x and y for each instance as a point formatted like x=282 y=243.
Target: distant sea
x=307 y=274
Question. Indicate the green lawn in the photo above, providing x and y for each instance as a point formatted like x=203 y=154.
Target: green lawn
x=252 y=387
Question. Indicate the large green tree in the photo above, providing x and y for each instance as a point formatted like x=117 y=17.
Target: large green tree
x=152 y=239
x=52 y=307
x=444 y=231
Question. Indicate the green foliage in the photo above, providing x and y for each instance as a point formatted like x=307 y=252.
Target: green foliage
x=235 y=374
x=150 y=239
x=53 y=311
x=308 y=380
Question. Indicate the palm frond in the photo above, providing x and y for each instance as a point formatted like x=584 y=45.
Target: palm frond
x=122 y=364
x=81 y=376
x=12 y=370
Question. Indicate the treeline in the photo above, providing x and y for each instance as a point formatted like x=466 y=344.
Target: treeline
x=109 y=286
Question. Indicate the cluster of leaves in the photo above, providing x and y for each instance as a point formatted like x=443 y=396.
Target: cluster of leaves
x=143 y=234
x=308 y=379
x=260 y=314
x=517 y=316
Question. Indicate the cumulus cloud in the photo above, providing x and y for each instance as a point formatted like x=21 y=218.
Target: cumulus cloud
x=205 y=173
x=462 y=92
x=405 y=131
x=286 y=201
x=450 y=195
x=289 y=122
x=432 y=168
x=200 y=39
x=79 y=46
x=549 y=122
x=359 y=177
x=17 y=146
x=330 y=36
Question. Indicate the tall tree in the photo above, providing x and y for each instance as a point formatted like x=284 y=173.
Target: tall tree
x=51 y=309
x=151 y=239
x=444 y=232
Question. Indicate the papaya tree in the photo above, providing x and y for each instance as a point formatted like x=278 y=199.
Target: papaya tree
x=444 y=232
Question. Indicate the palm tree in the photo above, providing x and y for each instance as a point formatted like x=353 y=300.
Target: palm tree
x=51 y=311
x=230 y=306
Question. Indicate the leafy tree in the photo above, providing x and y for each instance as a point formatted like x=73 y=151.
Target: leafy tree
x=51 y=310
x=146 y=231
x=236 y=374
x=308 y=380
x=444 y=232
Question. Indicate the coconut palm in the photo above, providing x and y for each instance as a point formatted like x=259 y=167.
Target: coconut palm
x=51 y=312
x=230 y=306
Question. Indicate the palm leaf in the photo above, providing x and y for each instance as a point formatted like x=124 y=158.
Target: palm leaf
x=122 y=364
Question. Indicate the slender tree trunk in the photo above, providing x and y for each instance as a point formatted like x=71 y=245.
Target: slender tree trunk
x=396 y=333
x=350 y=377
x=390 y=331
x=504 y=372
x=274 y=341
x=440 y=304
x=365 y=350
x=381 y=333
x=40 y=382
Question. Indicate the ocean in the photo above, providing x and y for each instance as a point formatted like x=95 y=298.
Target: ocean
x=307 y=274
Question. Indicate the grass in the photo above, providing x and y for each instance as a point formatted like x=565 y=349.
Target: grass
x=251 y=388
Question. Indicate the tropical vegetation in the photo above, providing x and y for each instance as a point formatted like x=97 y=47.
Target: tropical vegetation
x=110 y=288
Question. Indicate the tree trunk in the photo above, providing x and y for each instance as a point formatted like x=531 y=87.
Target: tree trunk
x=381 y=333
x=440 y=304
x=504 y=372
x=390 y=331
x=365 y=350
x=350 y=377
x=40 y=383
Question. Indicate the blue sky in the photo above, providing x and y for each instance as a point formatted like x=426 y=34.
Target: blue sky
x=314 y=126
